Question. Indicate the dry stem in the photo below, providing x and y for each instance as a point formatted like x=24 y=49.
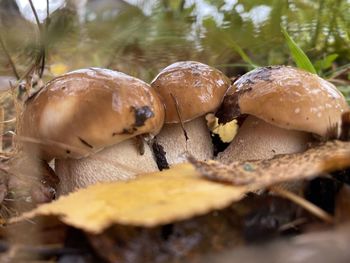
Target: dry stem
x=313 y=209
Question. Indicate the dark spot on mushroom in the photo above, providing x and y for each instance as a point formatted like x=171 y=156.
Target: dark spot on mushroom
x=160 y=156
x=229 y=108
x=254 y=76
x=249 y=81
x=64 y=87
x=142 y=114
x=85 y=143
x=68 y=151
x=258 y=74
x=307 y=118
x=272 y=119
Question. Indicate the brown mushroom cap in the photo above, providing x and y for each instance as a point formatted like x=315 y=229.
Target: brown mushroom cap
x=197 y=88
x=90 y=109
x=287 y=97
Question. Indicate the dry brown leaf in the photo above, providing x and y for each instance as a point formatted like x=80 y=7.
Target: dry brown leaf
x=327 y=157
x=151 y=199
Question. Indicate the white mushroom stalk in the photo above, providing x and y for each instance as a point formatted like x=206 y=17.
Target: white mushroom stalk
x=285 y=107
x=176 y=147
x=119 y=162
x=257 y=139
x=189 y=91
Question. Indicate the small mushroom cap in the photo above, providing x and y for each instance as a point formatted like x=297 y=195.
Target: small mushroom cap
x=90 y=109
x=289 y=98
x=197 y=88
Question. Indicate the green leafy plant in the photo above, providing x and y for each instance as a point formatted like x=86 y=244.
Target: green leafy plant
x=325 y=63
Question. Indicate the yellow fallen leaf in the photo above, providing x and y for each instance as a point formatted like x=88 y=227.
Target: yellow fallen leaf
x=326 y=157
x=151 y=199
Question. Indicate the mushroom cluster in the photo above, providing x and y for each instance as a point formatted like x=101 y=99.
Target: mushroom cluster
x=102 y=125
x=94 y=122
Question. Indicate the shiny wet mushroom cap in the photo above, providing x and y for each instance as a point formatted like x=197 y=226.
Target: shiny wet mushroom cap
x=88 y=110
x=189 y=90
x=87 y=120
x=287 y=97
x=284 y=106
x=196 y=88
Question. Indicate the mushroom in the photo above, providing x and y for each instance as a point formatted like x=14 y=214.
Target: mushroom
x=88 y=121
x=286 y=108
x=189 y=90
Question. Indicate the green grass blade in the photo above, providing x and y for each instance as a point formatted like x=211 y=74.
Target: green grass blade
x=299 y=57
x=243 y=55
x=232 y=44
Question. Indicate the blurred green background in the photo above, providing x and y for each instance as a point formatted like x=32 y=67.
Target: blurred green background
x=141 y=37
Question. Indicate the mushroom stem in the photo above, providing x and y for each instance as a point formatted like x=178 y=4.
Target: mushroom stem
x=174 y=143
x=257 y=139
x=118 y=162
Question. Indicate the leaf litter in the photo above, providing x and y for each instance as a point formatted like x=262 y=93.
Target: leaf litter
x=183 y=191
x=326 y=157
x=149 y=200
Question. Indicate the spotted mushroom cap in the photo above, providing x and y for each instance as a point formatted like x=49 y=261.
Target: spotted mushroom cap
x=83 y=111
x=197 y=89
x=286 y=97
